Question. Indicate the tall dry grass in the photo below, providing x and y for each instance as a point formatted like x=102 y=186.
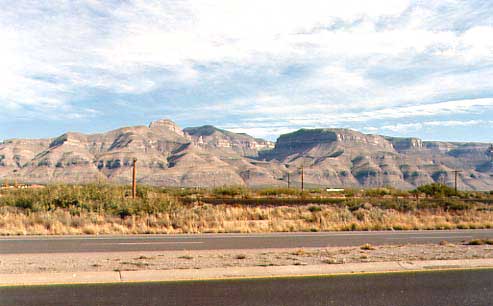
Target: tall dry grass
x=104 y=209
x=222 y=219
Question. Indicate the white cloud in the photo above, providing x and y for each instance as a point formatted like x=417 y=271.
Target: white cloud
x=54 y=55
x=416 y=126
x=269 y=124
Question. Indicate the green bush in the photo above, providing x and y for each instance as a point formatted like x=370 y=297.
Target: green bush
x=377 y=192
x=125 y=211
x=230 y=191
x=436 y=190
x=24 y=203
x=314 y=208
x=279 y=192
x=451 y=204
x=107 y=199
x=116 y=200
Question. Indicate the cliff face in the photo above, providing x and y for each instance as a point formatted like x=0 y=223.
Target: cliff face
x=212 y=138
x=207 y=156
x=342 y=157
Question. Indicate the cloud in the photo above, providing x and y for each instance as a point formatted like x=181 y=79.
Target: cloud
x=406 y=127
x=263 y=66
x=267 y=124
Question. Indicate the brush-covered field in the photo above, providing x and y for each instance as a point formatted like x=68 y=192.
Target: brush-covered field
x=109 y=209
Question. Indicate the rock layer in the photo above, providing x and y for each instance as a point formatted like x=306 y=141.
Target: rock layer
x=207 y=156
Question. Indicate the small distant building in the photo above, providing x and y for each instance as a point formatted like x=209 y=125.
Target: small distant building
x=334 y=189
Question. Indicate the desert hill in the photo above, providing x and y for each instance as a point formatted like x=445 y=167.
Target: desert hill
x=207 y=156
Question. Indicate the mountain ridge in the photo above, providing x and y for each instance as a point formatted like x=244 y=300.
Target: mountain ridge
x=207 y=156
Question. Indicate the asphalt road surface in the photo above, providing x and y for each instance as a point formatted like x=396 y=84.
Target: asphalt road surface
x=442 y=288
x=76 y=244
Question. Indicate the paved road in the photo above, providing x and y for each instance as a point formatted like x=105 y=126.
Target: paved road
x=74 y=244
x=451 y=288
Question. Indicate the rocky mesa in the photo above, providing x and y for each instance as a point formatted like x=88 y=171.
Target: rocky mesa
x=207 y=156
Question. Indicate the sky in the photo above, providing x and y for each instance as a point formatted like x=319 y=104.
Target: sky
x=264 y=67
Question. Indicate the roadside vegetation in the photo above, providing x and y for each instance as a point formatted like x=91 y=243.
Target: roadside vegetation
x=106 y=209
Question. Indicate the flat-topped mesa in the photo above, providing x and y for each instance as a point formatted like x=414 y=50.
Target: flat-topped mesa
x=306 y=138
x=167 y=124
x=357 y=138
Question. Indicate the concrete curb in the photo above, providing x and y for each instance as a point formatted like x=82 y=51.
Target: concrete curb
x=237 y=272
x=59 y=278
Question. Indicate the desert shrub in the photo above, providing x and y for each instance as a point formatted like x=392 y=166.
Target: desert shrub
x=271 y=201
x=24 y=203
x=125 y=211
x=279 y=192
x=403 y=205
x=314 y=208
x=377 y=192
x=107 y=199
x=480 y=242
x=185 y=192
x=367 y=247
x=436 y=190
x=350 y=192
x=452 y=204
x=230 y=191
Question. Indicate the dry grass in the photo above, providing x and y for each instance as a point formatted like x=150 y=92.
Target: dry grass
x=104 y=209
x=367 y=247
x=480 y=242
x=224 y=218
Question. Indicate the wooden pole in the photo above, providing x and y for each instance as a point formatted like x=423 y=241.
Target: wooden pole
x=302 y=179
x=456 y=172
x=289 y=183
x=134 y=179
x=455 y=183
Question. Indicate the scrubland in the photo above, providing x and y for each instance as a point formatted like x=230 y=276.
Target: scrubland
x=108 y=209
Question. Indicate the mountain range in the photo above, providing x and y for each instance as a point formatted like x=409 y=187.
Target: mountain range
x=207 y=156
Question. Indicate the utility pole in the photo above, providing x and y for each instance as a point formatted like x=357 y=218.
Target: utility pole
x=134 y=179
x=289 y=183
x=302 y=179
x=456 y=172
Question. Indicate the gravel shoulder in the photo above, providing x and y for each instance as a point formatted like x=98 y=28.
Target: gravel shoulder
x=224 y=259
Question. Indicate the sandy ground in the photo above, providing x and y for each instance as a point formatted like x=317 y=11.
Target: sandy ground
x=132 y=261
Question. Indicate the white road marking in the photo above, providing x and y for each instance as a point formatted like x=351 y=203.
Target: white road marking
x=429 y=237
x=153 y=242
x=227 y=236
